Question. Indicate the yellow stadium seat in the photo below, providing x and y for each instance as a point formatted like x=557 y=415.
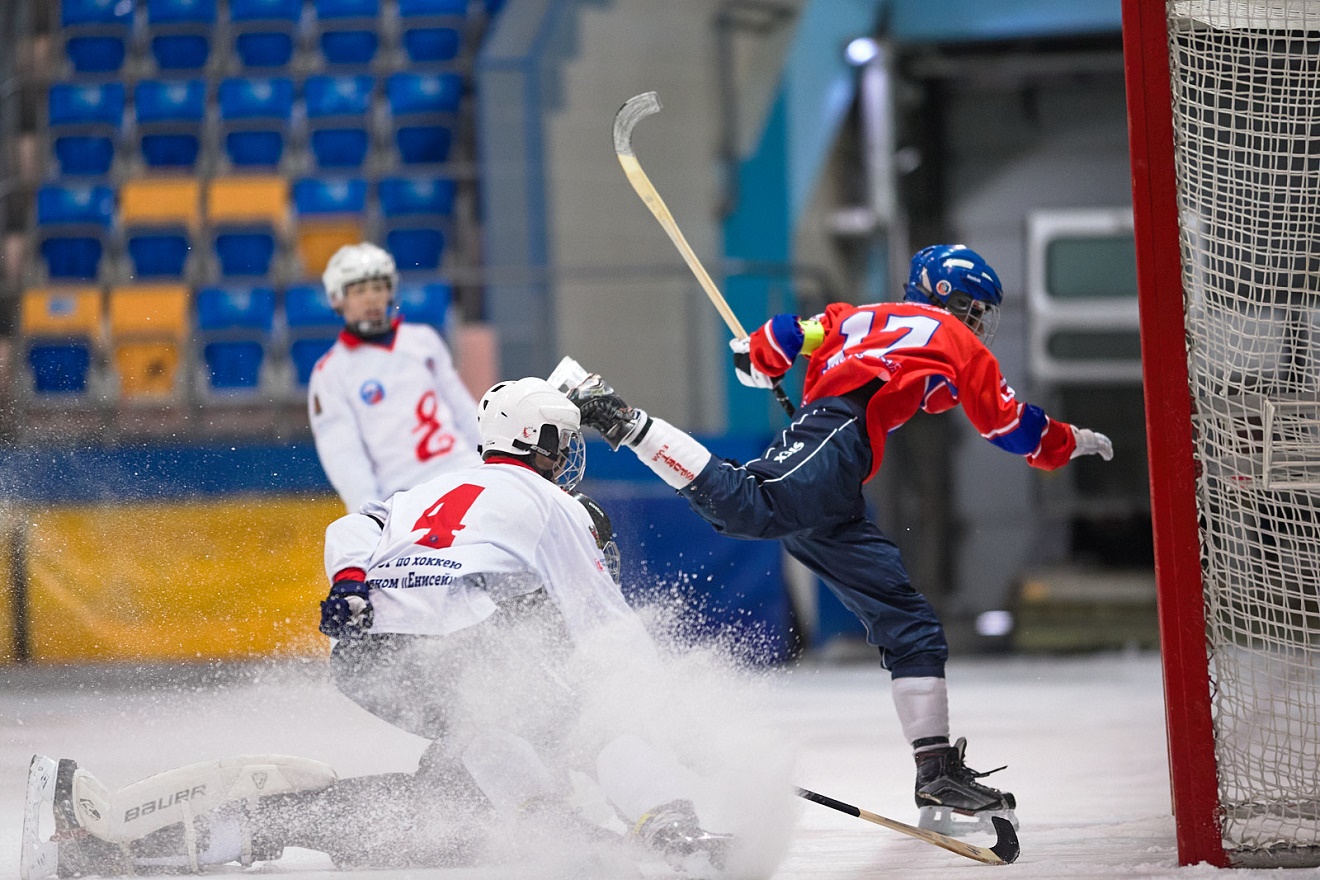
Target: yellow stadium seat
x=157 y=311
x=239 y=200
x=148 y=329
x=65 y=313
x=147 y=369
x=161 y=202
x=319 y=239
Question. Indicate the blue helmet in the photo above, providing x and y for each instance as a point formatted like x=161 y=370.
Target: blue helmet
x=957 y=279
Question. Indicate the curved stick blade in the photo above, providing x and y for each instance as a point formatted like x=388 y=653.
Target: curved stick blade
x=634 y=110
x=1006 y=846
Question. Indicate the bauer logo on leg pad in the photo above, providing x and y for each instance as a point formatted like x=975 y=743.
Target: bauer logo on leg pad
x=150 y=807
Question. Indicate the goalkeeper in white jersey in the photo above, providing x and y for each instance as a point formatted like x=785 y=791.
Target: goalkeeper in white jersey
x=471 y=610
x=387 y=408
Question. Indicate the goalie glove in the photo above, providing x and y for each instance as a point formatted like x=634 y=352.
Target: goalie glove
x=1091 y=443
x=347 y=611
x=747 y=374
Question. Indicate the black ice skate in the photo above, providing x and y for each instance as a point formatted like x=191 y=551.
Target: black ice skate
x=54 y=845
x=674 y=831
x=947 y=787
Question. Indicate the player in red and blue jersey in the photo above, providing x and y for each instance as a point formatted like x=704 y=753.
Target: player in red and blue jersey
x=870 y=368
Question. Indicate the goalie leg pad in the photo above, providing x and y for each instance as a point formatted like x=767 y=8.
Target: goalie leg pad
x=175 y=795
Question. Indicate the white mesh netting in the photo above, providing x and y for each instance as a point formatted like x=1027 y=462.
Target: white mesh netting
x=1246 y=115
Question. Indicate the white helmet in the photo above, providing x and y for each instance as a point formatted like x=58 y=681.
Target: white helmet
x=531 y=415
x=357 y=262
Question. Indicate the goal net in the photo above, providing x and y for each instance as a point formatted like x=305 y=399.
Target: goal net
x=1244 y=83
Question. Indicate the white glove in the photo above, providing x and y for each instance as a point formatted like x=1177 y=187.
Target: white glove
x=1092 y=443
x=742 y=365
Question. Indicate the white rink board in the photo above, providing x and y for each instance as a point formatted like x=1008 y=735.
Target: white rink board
x=1083 y=739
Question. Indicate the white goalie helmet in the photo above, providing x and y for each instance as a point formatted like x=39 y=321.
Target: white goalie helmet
x=531 y=415
x=357 y=262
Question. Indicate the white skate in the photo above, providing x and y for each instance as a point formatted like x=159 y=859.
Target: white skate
x=39 y=858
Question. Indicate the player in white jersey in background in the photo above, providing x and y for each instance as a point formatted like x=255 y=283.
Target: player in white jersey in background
x=476 y=610
x=387 y=408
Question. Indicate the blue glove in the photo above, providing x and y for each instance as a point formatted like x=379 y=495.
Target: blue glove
x=346 y=612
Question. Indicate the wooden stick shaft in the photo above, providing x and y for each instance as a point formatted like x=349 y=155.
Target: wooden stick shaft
x=646 y=190
x=953 y=845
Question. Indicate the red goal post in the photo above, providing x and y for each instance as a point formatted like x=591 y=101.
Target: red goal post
x=1224 y=135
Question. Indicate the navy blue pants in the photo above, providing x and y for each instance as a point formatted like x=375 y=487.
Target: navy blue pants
x=806 y=490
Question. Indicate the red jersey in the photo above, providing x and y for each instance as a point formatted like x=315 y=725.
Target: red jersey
x=929 y=360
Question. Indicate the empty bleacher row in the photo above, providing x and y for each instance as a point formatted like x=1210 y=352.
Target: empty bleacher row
x=138 y=341
x=102 y=37
x=181 y=228
x=335 y=123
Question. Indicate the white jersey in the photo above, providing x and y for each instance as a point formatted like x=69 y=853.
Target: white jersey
x=390 y=416
x=499 y=519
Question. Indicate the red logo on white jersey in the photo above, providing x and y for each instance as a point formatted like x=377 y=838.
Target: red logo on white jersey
x=435 y=439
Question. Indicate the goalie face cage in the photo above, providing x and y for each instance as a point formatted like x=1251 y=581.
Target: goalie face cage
x=1224 y=126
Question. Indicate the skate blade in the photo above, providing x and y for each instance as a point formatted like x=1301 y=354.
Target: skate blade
x=951 y=823
x=39 y=857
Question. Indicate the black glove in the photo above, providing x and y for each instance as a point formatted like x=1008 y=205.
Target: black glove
x=616 y=421
x=346 y=612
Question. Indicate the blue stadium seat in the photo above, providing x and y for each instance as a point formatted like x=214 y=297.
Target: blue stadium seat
x=180 y=32
x=426 y=304
x=315 y=196
x=167 y=12
x=313 y=327
x=414 y=209
x=423 y=45
x=414 y=100
x=95 y=53
x=75 y=104
x=409 y=93
x=158 y=253
x=95 y=12
x=254 y=115
x=247 y=309
x=180 y=51
x=265 y=30
x=73 y=222
x=415 y=8
x=416 y=196
x=59 y=367
x=306 y=308
x=96 y=34
x=169 y=117
x=85 y=122
x=84 y=154
x=337 y=119
x=244 y=252
x=234 y=326
x=348 y=30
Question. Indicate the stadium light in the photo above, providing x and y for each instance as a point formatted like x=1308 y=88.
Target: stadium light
x=861 y=51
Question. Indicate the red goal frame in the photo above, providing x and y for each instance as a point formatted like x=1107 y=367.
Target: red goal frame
x=1192 y=765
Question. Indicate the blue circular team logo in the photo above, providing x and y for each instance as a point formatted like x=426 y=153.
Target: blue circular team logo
x=372 y=392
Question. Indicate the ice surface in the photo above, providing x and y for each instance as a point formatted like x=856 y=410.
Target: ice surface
x=1083 y=739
